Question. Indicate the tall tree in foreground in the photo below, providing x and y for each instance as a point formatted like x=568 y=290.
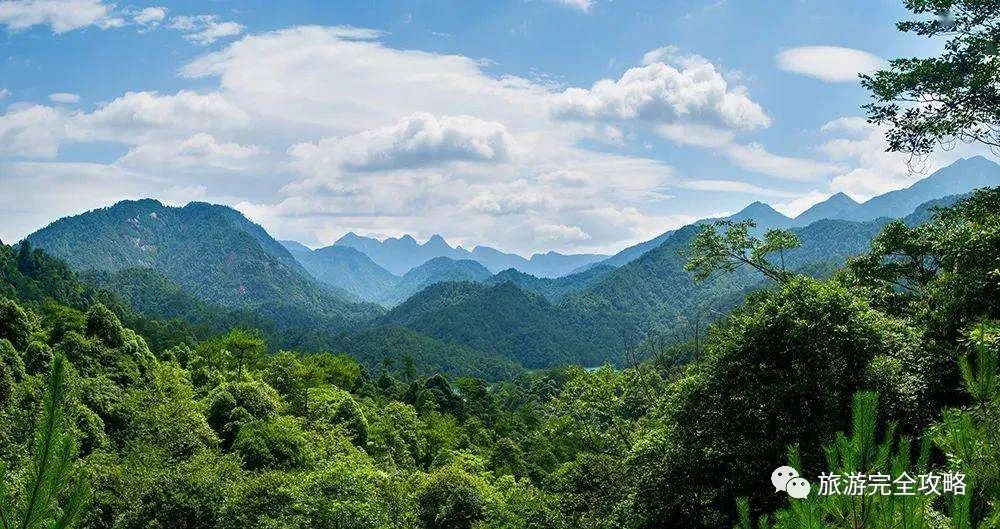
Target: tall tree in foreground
x=712 y=251
x=926 y=102
x=50 y=497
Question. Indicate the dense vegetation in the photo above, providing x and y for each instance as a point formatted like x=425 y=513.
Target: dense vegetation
x=217 y=433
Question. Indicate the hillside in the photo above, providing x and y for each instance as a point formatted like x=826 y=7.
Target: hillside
x=210 y=251
x=344 y=268
x=500 y=319
x=437 y=270
x=392 y=346
x=655 y=293
x=552 y=288
x=620 y=308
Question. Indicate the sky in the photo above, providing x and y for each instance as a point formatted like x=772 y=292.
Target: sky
x=526 y=125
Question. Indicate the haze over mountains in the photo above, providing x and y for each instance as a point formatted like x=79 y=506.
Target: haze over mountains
x=445 y=306
x=400 y=255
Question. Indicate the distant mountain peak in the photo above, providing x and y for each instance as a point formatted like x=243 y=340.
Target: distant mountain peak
x=758 y=211
x=840 y=196
x=351 y=238
x=437 y=241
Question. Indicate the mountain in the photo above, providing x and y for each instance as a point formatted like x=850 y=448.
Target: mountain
x=838 y=206
x=958 y=178
x=394 y=344
x=500 y=319
x=345 y=268
x=400 y=255
x=633 y=252
x=552 y=288
x=764 y=215
x=210 y=251
x=437 y=270
x=652 y=294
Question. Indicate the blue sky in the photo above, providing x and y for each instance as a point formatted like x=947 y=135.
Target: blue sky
x=527 y=125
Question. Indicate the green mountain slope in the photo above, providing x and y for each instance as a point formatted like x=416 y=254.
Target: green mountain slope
x=344 y=268
x=652 y=294
x=500 y=319
x=210 y=251
x=437 y=270
x=552 y=288
x=393 y=345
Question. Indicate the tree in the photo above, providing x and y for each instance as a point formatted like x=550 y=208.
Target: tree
x=450 y=499
x=247 y=348
x=712 y=251
x=14 y=325
x=52 y=496
x=939 y=100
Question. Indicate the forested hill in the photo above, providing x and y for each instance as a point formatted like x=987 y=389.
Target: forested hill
x=621 y=308
x=504 y=320
x=212 y=252
x=655 y=293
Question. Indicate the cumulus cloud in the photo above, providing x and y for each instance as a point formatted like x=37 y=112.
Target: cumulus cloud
x=667 y=88
x=31 y=131
x=418 y=140
x=150 y=17
x=328 y=130
x=139 y=116
x=198 y=152
x=64 y=97
x=205 y=29
x=832 y=64
x=4 y=93
x=60 y=15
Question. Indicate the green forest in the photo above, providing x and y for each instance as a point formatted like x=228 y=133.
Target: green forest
x=838 y=348
x=890 y=364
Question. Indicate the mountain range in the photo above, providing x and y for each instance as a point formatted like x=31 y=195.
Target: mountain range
x=400 y=255
x=205 y=262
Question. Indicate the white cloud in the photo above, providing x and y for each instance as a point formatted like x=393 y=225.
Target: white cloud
x=754 y=157
x=869 y=169
x=4 y=93
x=329 y=130
x=832 y=64
x=150 y=17
x=139 y=116
x=197 y=153
x=696 y=135
x=582 y=5
x=205 y=29
x=668 y=88
x=32 y=194
x=418 y=140
x=61 y=15
x=800 y=203
x=733 y=186
x=559 y=234
x=31 y=131
x=64 y=97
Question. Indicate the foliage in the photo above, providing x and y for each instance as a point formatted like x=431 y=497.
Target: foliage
x=52 y=494
x=926 y=102
x=712 y=251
